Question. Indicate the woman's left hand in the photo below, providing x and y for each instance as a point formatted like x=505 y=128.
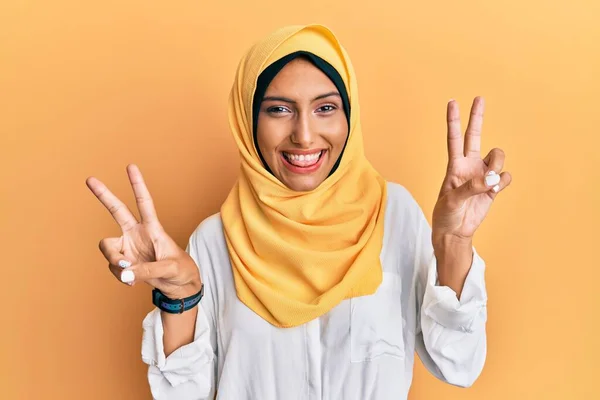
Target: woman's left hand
x=471 y=183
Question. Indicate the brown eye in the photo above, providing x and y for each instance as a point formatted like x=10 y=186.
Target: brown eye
x=326 y=108
x=277 y=110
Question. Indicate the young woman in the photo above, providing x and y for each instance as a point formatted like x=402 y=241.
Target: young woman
x=318 y=279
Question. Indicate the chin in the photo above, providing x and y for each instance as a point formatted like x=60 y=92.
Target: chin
x=303 y=184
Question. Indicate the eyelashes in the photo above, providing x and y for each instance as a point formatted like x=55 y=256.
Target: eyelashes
x=278 y=110
x=330 y=107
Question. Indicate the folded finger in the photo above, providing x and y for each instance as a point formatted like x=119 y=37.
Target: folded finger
x=495 y=160
x=149 y=271
x=504 y=181
x=117 y=271
x=111 y=249
x=470 y=188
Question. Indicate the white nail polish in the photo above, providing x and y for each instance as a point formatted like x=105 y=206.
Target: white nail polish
x=127 y=276
x=124 y=264
x=496 y=188
x=492 y=172
x=492 y=180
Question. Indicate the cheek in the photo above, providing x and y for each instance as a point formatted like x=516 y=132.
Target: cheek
x=270 y=134
x=339 y=134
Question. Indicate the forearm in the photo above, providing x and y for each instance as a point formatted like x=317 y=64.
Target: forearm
x=178 y=329
x=454 y=258
x=453 y=328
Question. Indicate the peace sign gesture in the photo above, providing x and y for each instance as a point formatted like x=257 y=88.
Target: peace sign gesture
x=471 y=183
x=144 y=251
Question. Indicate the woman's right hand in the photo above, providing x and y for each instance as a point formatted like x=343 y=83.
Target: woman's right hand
x=153 y=256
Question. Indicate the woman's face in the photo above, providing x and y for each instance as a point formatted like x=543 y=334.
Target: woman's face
x=302 y=127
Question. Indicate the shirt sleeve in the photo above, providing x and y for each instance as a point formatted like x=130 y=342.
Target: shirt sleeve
x=450 y=335
x=189 y=372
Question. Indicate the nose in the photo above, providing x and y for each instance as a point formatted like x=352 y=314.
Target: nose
x=302 y=134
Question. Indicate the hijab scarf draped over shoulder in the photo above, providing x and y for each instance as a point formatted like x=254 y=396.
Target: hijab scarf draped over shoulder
x=296 y=255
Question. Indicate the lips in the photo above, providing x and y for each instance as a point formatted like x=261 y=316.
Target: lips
x=304 y=163
x=303 y=160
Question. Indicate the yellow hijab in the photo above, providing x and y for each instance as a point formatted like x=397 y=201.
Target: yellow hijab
x=296 y=255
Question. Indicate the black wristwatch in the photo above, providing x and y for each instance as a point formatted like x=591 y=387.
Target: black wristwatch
x=176 y=306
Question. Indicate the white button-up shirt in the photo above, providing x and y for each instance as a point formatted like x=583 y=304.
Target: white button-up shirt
x=361 y=349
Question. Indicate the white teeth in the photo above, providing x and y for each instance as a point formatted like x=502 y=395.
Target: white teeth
x=302 y=157
x=303 y=160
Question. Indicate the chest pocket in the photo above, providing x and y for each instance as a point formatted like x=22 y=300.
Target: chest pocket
x=376 y=322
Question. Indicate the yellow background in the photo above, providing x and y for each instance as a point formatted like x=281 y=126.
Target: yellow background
x=88 y=87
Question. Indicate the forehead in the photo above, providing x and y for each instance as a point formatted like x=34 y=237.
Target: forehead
x=301 y=76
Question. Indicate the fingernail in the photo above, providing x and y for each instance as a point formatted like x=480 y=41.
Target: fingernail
x=496 y=188
x=450 y=101
x=492 y=172
x=127 y=276
x=124 y=264
x=492 y=180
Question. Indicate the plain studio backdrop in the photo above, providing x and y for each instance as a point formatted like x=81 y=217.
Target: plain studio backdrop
x=88 y=87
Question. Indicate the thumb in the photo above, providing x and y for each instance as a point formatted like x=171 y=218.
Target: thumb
x=477 y=185
x=143 y=272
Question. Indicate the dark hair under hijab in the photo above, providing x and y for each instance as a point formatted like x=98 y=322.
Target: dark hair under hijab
x=272 y=70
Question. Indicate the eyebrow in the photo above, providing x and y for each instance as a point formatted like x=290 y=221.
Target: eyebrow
x=287 y=100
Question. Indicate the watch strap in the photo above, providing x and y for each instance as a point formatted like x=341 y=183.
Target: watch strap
x=176 y=306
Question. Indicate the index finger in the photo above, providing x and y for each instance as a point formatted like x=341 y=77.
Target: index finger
x=142 y=194
x=116 y=207
x=455 y=139
x=473 y=135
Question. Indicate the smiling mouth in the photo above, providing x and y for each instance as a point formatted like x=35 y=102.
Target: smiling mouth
x=303 y=164
x=303 y=160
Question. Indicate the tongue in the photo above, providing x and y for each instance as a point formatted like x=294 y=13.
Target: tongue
x=305 y=163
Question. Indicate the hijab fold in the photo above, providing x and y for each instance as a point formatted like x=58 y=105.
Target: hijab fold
x=296 y=255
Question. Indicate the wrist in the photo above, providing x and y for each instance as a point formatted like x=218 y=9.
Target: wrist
x=190 y=288
x=193 y=282
x=179 y=304
x=449 y=243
